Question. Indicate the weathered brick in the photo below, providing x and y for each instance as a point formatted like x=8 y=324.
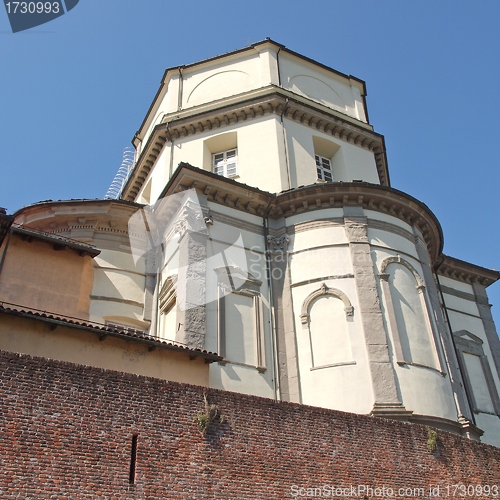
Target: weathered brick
x=67 y=433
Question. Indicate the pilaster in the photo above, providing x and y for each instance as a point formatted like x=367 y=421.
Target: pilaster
x=386 y=398
x=484 y=309
x=288 y=370
x=442 y=332
x=191 y=288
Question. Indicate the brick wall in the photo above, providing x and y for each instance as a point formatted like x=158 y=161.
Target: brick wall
x=67 y=432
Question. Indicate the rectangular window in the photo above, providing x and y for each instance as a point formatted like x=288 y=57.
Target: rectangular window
x=324 y=168
x=225 y=163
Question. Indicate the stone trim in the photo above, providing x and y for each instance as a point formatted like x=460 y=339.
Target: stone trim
x=459 y=270
x=391 y=313
x=325 y=290
x=251 y=289
x=394 y=411
x=278 y=244
x=447 y=290
x=463 y=312
x=319 y=247
x=116 y=299
x=333 y=365
x=234 y=222
x=321 y=278
x=468 y=343
x=167 y=295
x=463 y=427
x=271 y=100
x=398 y=260
x=316 y=224
x=390 y=228
x=484 y=309
x=383 y=377
x=310 y=198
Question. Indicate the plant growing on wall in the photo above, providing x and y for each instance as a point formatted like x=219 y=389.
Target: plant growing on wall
x=432 y=437
x=205 y=418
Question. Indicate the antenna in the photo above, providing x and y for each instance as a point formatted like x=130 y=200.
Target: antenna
x=121 y=177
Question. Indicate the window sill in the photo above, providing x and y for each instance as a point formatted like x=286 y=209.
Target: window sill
x=343 y=363
x=427 y=367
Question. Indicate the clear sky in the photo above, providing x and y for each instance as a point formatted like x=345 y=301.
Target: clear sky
x=74 y=91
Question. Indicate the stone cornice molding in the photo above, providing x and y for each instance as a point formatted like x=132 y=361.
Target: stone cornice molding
x=382 y=199
x=318 y=196
x=255 y=104
x=81 y=220
x=466 y=272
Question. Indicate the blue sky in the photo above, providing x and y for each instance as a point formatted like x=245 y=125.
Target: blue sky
x=74 y=91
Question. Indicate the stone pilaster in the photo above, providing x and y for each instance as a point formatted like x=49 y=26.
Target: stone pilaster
x=191 y=284
x=443 y=334
x=283 y=318
x=386 y=399
x=484 y=308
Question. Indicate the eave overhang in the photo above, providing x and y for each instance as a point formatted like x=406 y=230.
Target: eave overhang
x=460 y=270
x=382 y=199
x=271 y=100
x=57 y=242
x=103 y=330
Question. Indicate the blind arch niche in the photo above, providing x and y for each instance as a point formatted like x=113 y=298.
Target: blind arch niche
x=325 y=313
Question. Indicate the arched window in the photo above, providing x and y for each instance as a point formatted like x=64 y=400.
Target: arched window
x=406 y=304
x=477 y=373
x=240 y=312
x=325 y=313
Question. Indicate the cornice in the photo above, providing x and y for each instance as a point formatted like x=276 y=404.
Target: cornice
x=271 y=100
x=382 y=199
x=58 y=242
x=466 y=272
x=80 y=220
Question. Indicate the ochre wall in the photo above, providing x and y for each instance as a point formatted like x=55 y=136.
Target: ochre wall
x=64 y=343
x=35 y=275
x=67 y=431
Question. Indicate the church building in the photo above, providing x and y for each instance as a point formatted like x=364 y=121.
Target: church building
x=255 y=245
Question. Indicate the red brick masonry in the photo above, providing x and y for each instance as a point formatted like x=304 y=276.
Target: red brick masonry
x=67 y=432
